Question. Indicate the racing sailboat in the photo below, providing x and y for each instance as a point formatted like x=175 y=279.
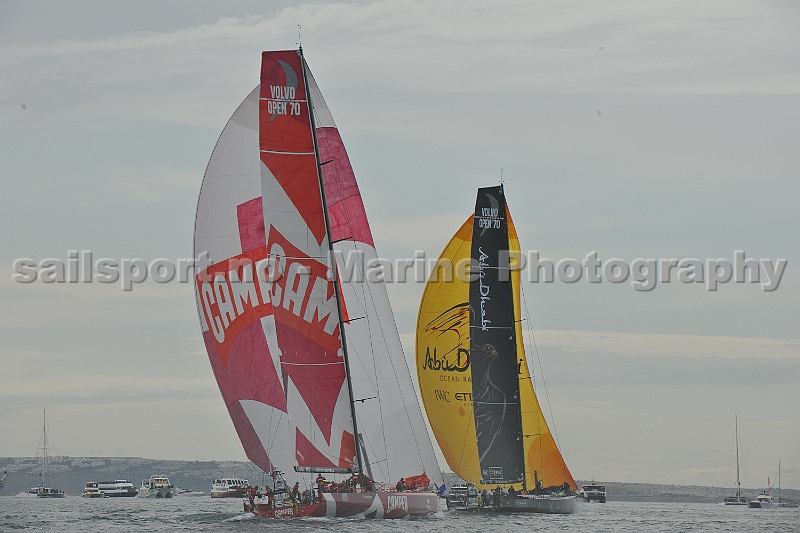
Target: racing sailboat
x=303 y=345
x=472 y=372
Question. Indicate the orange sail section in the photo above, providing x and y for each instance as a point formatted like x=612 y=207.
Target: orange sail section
x=541 y=452
x=445 y=374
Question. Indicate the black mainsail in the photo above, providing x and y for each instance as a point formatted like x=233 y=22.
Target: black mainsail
x=493 y=345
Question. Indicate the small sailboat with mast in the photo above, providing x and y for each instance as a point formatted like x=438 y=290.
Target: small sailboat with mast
x=765 y=499
x=43 y=489
x=473 y=375
x=738 y=499
x=305 y=351
x=781 y=501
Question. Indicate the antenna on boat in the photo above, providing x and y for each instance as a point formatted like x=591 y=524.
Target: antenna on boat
x=501 y=175
x=299 y=40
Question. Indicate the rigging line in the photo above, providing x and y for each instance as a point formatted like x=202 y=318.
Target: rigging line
x=271 y=442
x=348 y=218
x=392 y=362
x=275 y=434
x=375 y=373
x=337 y=182
x=370 y=381
x=730 y=460
x=368 y=443
x=337 y=288
x=405 y=404
x=374 y=382
x=362 y=308
x=277 y=425
x=539 y=360
x=541 y=373
x=368 y=299
x=744 y=463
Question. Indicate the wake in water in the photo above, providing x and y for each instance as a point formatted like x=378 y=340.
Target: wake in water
x=240 y=518
x=134 y=515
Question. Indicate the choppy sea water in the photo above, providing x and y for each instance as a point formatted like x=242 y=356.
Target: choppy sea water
x=75 y=514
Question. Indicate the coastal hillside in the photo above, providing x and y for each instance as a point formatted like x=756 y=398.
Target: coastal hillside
x=72 y=473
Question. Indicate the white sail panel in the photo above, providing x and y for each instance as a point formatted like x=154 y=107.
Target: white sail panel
x=389 y=417
x=233 y=176
x=274 y=342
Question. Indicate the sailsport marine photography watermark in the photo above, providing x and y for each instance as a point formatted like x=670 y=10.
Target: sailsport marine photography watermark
x=355 y=266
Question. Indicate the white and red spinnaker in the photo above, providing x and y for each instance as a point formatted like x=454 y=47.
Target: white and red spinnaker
x=267 y=304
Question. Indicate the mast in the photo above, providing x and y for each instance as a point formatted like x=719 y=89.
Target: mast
x=334 y=270
x=738 y=483
x=44 y=448
x=522 y=435
x=516 y=355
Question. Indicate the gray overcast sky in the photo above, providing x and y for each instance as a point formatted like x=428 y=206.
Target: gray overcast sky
x=633 y=129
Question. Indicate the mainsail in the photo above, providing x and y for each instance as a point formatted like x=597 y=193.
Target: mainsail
x=295 y=340
x=473 y=375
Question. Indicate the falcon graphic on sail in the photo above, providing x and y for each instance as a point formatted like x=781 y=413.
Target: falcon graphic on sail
x=484 y=414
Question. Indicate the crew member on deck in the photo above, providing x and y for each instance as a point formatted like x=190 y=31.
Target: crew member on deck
x=252 y=498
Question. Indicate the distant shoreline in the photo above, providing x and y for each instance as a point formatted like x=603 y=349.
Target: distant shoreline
x=72 y=473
